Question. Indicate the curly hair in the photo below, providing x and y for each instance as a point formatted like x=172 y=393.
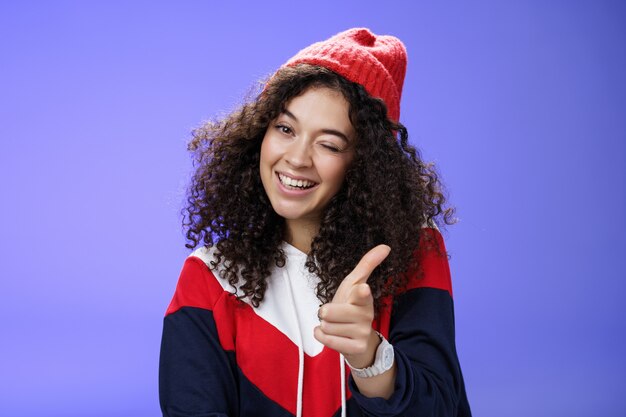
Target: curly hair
x=387 y=196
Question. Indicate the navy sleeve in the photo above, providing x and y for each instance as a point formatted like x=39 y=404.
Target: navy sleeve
x=196 y=376
x=429 y=382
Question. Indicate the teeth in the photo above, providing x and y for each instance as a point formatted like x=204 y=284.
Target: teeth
x=295 y=183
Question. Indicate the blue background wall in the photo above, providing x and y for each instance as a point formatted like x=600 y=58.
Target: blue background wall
x=521 y=105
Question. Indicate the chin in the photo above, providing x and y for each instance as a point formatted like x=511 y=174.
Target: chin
x=291 y=213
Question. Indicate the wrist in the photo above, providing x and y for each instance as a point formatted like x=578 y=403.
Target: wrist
x=383 y=361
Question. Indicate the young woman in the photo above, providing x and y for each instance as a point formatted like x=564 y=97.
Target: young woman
x=320 y=284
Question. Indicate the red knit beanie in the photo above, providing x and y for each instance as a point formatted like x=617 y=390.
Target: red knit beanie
x=377 y=62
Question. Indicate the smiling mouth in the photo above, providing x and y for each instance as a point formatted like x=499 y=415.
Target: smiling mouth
x=295 y=184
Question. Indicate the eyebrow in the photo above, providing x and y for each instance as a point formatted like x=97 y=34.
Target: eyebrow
x=327 y=131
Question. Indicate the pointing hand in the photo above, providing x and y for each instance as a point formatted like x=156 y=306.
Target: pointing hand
x=346 y=322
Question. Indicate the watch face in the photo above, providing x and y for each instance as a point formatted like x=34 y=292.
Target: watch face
x=388 y=357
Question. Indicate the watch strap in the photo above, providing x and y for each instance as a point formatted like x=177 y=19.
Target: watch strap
x=383 y=361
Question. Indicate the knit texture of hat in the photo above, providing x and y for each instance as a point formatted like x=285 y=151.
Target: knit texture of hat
x=377 y=62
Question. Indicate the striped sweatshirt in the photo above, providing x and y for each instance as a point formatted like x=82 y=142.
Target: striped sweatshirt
x=221 y=356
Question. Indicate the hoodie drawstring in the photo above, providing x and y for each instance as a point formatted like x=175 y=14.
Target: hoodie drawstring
x=300 y=343
x=342 y=374
x=300 y=350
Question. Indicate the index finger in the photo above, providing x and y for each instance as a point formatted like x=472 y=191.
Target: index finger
x=367 y=264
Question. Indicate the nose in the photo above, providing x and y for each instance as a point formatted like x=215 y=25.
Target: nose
x=298 y=154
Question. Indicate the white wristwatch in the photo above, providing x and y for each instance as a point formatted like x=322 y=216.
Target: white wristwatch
x=383 y=360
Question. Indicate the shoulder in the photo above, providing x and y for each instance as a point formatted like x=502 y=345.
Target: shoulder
x=205 y=254
x=429 y=282
x=431 y=269
x=200 y=284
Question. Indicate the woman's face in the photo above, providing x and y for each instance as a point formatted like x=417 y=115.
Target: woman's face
x=305 y=154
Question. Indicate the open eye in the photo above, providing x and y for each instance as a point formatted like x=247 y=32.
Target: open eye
x=284 y=129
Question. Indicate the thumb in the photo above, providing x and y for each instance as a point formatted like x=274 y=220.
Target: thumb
x=367 y=264
x=362 y=271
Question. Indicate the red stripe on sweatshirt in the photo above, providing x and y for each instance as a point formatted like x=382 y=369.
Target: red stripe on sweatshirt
x=434 y=270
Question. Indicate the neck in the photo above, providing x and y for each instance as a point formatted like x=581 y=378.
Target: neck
x=300 y=233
